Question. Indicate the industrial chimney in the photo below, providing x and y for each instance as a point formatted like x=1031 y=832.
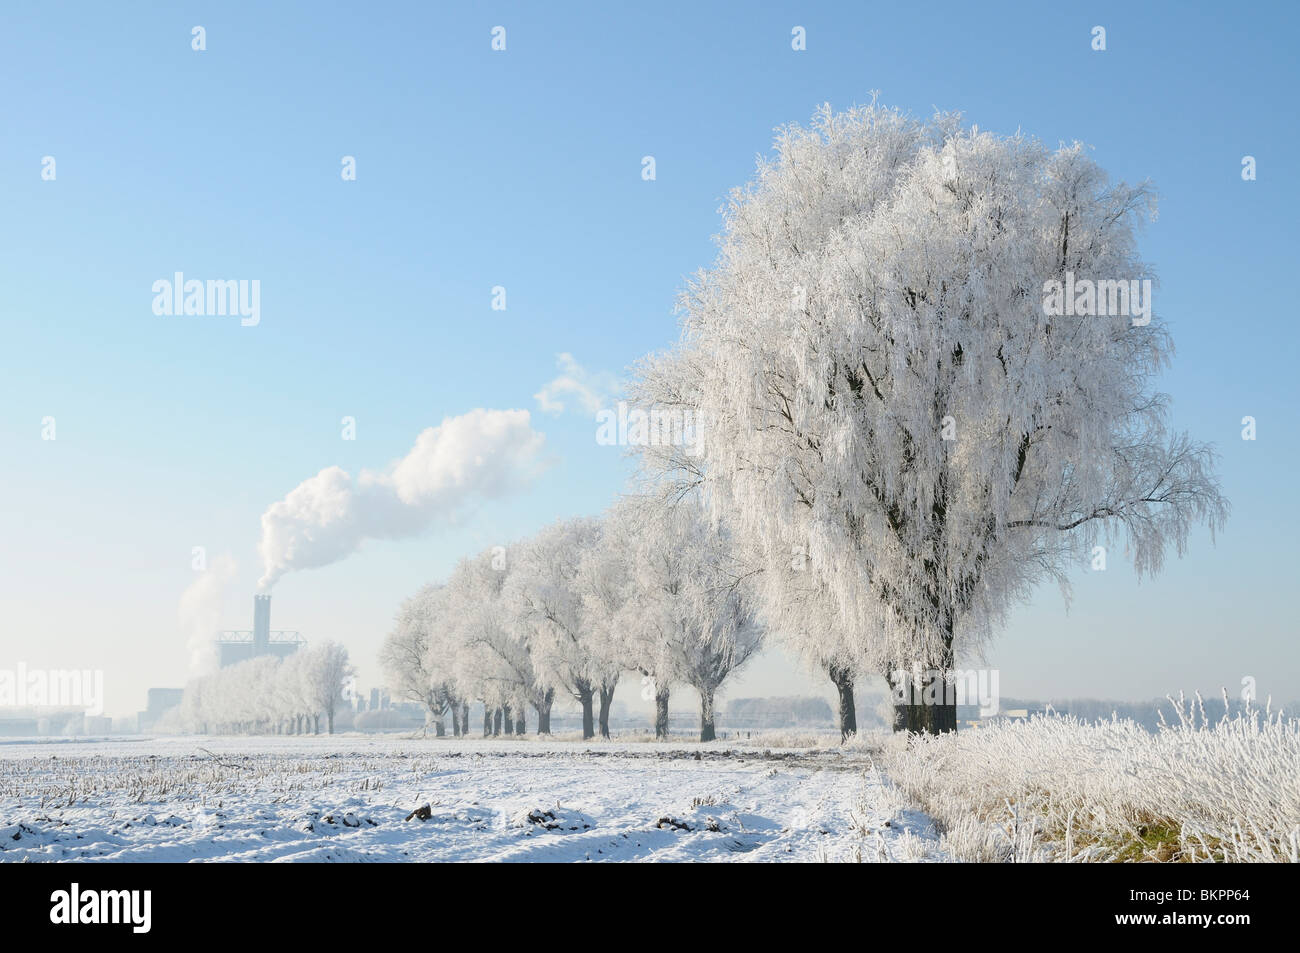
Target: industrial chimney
x=261 y=625
x=234 y=645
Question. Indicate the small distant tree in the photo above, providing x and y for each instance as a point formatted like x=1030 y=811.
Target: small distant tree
x=605 y=581
x=327 y=670
x=733 y=637
x=413 y=659
x=493 y=654
x=687 y=612
x=546 y=598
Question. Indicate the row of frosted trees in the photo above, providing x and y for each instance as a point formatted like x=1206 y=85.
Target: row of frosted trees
x=569 y=612
x=269 y=695
x=883 y=395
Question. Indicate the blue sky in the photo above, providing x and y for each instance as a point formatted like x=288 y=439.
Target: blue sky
x=522 y=169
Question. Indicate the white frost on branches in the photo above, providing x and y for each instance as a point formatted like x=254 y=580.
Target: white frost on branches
x=880 y=389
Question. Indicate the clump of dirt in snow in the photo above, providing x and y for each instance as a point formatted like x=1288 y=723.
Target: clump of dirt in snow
x=315 y=822
x=555 y=819
x=708 y=823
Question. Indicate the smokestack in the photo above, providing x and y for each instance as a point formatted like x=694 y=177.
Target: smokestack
x=261 y=625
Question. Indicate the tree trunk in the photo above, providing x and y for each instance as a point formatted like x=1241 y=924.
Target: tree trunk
x=508 y=717
x=544 y=712
x=519 y=722
x=316 y=724
x=329 y=721
x=439 y=729
x=661 y=715
x=588 y=722
x=606 y=699
x=928 y=705
x=843 y=679
x=455 y=721
x=464 y=719
x=707 y=732
x=487 y=721
x=496 y=722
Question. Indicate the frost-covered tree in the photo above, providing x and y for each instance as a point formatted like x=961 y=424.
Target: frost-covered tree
x=194 y=705
x=544 y=592
x=605 y=584
x=686 y=612
x=326 y=670
x=258 y=695
x=733 y=640
x=492 y=644
x=292 y=692
x=886 y=380
x=835 y=655
x=415 y=659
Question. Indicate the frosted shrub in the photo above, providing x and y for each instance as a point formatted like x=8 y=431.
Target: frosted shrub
x=1055 y=788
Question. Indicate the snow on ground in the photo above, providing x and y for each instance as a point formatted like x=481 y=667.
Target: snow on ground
x=348 y=799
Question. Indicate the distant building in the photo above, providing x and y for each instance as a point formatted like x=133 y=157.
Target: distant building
x=160 y=701
x=18 y=727
x=240 y=645
x=32 y=722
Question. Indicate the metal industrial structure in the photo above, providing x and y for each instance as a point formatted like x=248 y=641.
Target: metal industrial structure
x=240 y=645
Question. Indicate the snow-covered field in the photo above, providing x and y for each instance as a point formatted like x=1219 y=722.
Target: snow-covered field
x=348 y=799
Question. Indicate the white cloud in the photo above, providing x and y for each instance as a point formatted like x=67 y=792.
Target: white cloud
x=479 y=455
x=592 y=390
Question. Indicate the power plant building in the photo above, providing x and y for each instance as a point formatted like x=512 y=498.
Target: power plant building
x=240 y=645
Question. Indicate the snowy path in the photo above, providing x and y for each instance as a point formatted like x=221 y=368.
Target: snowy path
x=346 y=799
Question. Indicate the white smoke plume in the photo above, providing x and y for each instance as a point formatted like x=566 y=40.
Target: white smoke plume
x=200 y=612
x=479 y=455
